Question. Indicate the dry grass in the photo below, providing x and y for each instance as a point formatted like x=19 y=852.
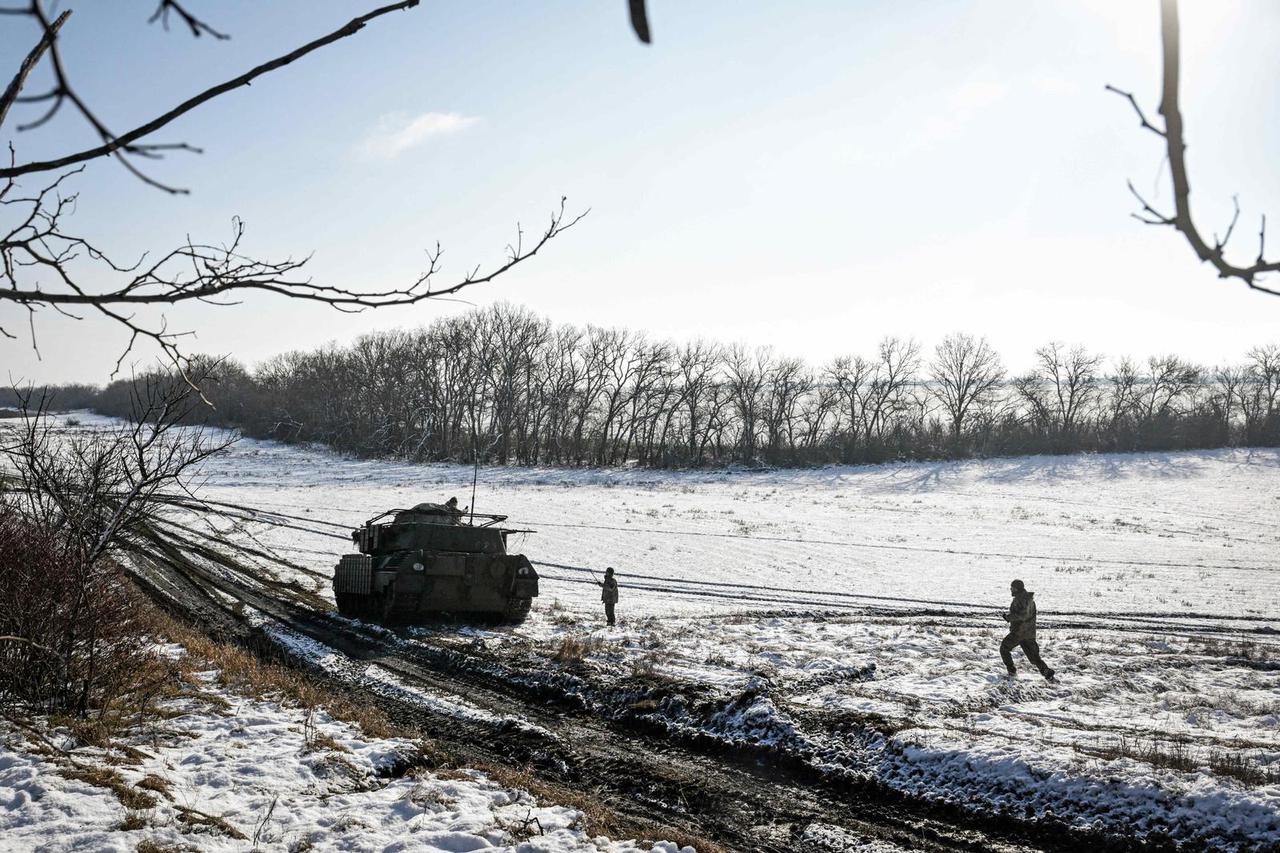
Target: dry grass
x=136 y=699
x=573 y=648
x=1241 y=648
x=1235 y=702
x=1236 y=763
x=325 y=743
x=198 y=822
x=1174 y=755
x=597 y=818
x=104 y=777
x=349 y=822
x=245 y=673
x=426 y=796
x=520 y=829
x=146 y=845
x=158 y=784
x=645 y=667
x=341 y=774
x=1239 y=764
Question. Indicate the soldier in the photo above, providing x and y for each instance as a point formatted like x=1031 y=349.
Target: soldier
x=1022 y=631
x=452 y=506
x=609 y=593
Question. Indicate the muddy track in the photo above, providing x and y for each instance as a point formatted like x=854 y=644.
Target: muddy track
x=747 y=799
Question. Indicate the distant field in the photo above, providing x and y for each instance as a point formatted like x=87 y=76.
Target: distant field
x=1169 y=533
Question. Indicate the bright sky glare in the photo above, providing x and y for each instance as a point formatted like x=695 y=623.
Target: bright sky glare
x=812 y=175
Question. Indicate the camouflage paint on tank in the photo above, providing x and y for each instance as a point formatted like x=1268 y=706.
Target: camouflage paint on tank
x=427 y=562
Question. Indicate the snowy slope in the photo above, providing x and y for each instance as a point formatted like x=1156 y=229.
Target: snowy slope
x=237 y=773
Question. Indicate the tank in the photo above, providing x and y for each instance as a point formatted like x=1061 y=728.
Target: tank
x=424 y=563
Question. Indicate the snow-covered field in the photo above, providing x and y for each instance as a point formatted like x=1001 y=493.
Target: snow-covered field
x=1170 y=533
x=810 y=599
x=226 y=772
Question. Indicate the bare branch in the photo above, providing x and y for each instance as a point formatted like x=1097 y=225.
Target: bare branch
x=19 y=80
x=1219 y=245
x=1142 y=117
x=197 y=26
x=112 y=143
x=1176 y=150
x=1149 y=215
x=38 y=270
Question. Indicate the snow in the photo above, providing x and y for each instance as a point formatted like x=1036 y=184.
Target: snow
x=279 y=781
x=803 y=600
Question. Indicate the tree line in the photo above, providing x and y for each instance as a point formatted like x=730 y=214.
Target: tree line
x=509 y=387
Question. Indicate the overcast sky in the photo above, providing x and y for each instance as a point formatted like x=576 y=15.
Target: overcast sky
x=810 y=175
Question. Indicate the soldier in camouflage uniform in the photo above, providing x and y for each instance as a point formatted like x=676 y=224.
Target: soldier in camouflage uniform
x=609 y=593
x=1022 y=631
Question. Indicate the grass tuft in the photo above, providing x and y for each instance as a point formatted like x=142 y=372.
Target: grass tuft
x=574 y=648
x=104 y=777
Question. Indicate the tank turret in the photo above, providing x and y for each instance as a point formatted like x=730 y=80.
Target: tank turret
x=432 y=560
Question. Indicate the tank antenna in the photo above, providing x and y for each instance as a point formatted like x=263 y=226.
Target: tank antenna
x=475 y=471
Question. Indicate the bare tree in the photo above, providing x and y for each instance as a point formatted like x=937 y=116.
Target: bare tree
x=747 y=372
x=618 y=353
x=1176 y=151
x=93 y=497
x=873 y=392
x=1169 y=380
x=1233 y=388
x=1061 y=387
x=1264 y=364
x=562 y=368
x=788 y=383
x=965 y=372
x=852 y=378
x=899 y=362
x=651 y=392
x=699 y=364
x=1122 y=389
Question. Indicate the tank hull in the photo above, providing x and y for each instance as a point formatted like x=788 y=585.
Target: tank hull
x=413 y=586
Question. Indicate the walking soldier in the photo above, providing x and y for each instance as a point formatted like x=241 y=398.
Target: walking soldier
x=1022 y=631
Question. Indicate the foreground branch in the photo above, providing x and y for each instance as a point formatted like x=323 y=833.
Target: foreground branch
x=41 y=267
x=122 y=144
x=1176 y=150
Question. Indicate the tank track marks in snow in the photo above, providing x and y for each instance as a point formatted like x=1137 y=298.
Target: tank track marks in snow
x=743 y=798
